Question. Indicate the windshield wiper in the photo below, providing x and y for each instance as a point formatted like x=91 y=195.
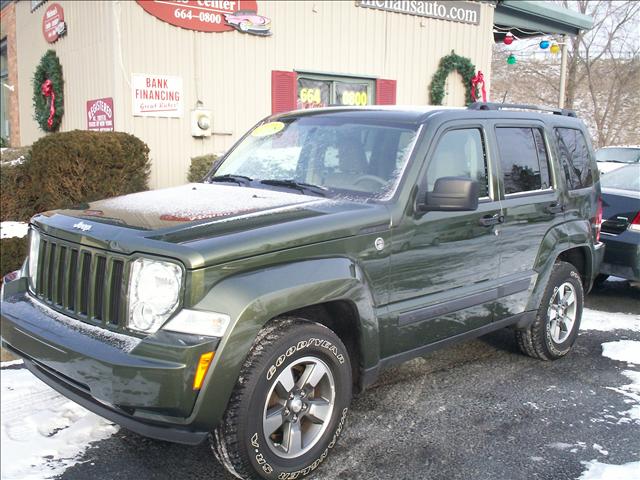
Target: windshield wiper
x=300 y=186
x=239 y=179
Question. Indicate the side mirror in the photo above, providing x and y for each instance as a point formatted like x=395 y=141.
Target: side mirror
x=451 y=194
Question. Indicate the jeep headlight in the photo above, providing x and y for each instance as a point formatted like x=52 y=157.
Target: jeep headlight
x=34 y=251
x=154 y=293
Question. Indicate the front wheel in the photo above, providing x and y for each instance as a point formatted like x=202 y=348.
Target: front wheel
x=557 y=322
x=289 y=405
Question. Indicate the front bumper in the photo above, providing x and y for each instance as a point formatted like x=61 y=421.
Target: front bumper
x=143 y=384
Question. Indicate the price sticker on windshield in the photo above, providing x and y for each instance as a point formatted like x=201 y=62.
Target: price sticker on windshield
x=267 y=129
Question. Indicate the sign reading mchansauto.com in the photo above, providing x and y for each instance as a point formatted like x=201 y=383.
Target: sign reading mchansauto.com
x=464 y=12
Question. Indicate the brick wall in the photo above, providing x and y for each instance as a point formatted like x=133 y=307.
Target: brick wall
x=8 y=20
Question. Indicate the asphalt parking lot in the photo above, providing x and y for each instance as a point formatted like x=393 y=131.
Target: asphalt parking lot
x=476 y=411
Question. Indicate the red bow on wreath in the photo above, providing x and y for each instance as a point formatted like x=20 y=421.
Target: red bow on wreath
x=476 y=82
x=47 y=91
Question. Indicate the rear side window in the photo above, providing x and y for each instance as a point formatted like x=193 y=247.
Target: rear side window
x=574 y=158
x=523 y=158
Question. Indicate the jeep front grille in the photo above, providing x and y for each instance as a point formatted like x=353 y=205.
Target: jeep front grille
x=81 y=282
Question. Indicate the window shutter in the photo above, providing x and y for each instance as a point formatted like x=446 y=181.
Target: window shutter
x=385 y=92
x=284 y=91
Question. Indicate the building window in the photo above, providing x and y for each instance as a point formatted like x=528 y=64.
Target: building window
x=523 y=158
x=315 y=91
x=4 y=100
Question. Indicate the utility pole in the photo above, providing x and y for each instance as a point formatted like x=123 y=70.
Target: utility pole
x=563 y=72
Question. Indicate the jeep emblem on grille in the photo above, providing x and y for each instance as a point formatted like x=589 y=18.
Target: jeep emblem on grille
x=82 y=226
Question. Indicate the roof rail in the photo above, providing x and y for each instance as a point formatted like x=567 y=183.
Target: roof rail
x=520 y=106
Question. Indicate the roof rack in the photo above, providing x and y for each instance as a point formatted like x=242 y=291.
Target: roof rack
x=520 y=106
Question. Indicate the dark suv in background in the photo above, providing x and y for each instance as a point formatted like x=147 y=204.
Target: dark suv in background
x=328 y=245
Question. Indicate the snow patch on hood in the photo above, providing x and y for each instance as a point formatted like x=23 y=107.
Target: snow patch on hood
x=198 y=201
x=43 y=433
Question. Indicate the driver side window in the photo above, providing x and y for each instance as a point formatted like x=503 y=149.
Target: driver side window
x=460 y=153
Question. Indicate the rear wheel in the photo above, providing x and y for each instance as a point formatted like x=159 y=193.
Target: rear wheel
x=289 y=405
x=557 y=322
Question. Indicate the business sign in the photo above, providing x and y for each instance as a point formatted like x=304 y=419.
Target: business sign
x=210 y=15
x=53 y=23
x=156 y=95
x=463 y=12
x=100 y=115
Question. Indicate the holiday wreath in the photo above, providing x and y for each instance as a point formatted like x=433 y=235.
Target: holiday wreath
x=448 y=64
x=48 y=97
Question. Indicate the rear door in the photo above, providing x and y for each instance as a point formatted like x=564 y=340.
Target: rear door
x=531 y=206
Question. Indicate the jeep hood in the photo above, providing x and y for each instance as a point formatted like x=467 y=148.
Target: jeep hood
x=186 y=205
x=204 y=224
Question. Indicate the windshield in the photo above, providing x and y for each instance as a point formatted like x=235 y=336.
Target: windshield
x=619 y=155
x=342 y=156
x=625 y=178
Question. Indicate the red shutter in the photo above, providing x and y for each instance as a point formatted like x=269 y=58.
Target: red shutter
x=385 y=92
x=284 y=91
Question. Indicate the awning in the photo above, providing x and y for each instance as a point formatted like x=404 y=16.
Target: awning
x=529 y=18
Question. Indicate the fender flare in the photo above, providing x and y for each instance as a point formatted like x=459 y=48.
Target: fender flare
x=254 y=298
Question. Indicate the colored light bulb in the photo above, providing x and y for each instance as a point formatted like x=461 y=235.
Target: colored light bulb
x=544 y=44
x=555 y=48
x=511 y=60
x=508 y=39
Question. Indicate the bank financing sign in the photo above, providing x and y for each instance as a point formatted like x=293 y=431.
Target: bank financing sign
x=156 y=95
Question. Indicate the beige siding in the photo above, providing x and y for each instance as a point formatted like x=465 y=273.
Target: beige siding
x=230 y=72
x=87 y=60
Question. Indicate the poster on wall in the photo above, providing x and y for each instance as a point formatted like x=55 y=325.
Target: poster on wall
x=100 y=115
x=156 y=95
x=210 y=15
x=352 y=94
x=313 y=93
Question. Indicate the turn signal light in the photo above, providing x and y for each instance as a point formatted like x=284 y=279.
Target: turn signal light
x=201 y=369
x=635 y=223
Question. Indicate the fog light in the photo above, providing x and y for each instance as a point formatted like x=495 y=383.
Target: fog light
x=201 y=369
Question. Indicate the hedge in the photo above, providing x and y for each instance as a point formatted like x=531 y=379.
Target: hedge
x=200 y=166
x=67 y=169
x=12 y=253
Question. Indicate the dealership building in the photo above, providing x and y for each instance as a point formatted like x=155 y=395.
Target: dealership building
x=189 y=77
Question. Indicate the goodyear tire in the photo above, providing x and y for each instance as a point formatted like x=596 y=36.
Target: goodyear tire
x=557 y=322
x=289 y=405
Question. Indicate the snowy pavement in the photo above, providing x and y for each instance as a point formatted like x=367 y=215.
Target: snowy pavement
x=476 y=411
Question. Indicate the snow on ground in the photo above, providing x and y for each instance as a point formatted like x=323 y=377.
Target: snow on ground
x=13 y=229
x=42 y=433
x=604 y=471
x=606 y=322
x=623 y=351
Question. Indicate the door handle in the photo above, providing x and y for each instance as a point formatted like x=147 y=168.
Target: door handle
x=555 y=208
x=489 y=220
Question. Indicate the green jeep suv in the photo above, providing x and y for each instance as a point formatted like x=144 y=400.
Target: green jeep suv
x=327 y=245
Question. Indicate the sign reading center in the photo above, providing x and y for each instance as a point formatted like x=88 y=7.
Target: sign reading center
x=201 y=15
x=156 y=95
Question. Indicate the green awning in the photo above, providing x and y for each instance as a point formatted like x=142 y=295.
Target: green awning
x=530 y=18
